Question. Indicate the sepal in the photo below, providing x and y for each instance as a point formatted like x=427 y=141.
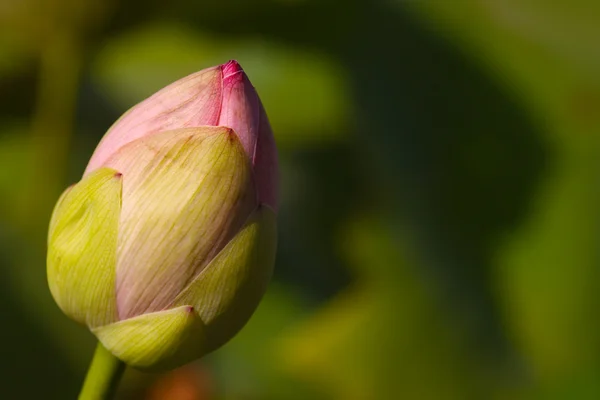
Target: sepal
x=157 y=341
x=228 y=290
x=82 y=242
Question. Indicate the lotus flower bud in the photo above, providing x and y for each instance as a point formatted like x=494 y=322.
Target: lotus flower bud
x=165 y=247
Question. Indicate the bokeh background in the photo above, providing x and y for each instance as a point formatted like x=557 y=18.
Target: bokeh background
x=440 y=180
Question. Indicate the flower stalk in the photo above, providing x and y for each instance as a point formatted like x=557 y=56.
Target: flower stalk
x=103 y=376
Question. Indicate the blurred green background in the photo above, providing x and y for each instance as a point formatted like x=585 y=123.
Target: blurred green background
x=440 y=181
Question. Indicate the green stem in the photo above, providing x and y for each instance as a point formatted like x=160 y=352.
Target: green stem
x=103 y=376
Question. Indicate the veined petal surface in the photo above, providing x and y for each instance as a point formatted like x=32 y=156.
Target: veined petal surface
x=186 y=193
x=82 y=244
x=156 y=341
x=189 y=102
x=229 y=289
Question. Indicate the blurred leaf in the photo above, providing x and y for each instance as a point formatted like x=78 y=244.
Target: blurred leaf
x=303 y=92
x=515 y=41
x=15 y=153
x=386 y=338
x=564 y=31
x=548 y=278
x=12 y=58
x=248 y=367
x=17 y=45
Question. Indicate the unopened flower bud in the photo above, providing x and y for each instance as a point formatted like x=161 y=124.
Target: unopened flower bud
x=165 y=247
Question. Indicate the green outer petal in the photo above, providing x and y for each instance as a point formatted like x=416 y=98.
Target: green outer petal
x=228 y=290
x=82 y=243
x=156 y=341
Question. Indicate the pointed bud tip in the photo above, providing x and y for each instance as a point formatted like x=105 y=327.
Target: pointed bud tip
x=189 y=309
x=118 y=175
x=231 y=67
x=233 y=73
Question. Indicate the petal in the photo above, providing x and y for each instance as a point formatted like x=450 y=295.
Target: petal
x=243 y=111
x=228 y=291
x=240 y=108
x=157 y=341
x=191 y=101
x=186 y=193
x=266 y=168
x=82 y=244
